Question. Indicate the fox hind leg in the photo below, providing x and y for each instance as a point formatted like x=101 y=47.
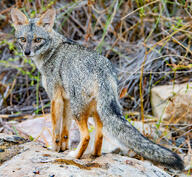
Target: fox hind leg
x=82 y=124
x=98 y=135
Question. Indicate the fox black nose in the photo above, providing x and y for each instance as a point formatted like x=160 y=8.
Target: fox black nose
x=27 y=52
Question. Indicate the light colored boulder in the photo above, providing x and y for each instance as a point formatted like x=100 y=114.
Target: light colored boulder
x=43 y=129
x=34 y=160
x=172 y=103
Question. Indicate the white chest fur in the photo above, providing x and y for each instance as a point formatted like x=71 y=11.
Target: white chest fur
x=38 y=61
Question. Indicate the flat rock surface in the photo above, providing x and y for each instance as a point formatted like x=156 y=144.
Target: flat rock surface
x=32 y=159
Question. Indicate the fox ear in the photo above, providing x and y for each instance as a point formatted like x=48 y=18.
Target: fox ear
x=18 y=18
x=47 y=19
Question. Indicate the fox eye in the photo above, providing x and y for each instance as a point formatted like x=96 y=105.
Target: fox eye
x=37 y=40
x=22 y=39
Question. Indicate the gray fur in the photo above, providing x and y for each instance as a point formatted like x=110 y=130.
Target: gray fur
x=80 y=70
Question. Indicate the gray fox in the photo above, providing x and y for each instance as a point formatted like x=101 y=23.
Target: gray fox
x=81 y=83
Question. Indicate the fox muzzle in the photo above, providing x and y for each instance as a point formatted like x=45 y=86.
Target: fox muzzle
x=27 y=52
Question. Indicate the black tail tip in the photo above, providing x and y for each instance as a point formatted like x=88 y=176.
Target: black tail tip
x=177 y=163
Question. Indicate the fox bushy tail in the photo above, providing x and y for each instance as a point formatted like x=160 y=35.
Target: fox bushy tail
x=130 y=137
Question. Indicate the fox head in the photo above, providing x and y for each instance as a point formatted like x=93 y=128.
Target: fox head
x=33 y=35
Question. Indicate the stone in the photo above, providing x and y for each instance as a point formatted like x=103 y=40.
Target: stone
x=34 y=160
x=43 y=129
x=173 y=103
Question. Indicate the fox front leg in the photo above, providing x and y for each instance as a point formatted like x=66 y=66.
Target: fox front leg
x=66 y=124
x=57 y=107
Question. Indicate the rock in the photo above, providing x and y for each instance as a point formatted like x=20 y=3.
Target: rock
x=34 y=160
x=43 y=129
x=9 y=146
x=173 y=103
